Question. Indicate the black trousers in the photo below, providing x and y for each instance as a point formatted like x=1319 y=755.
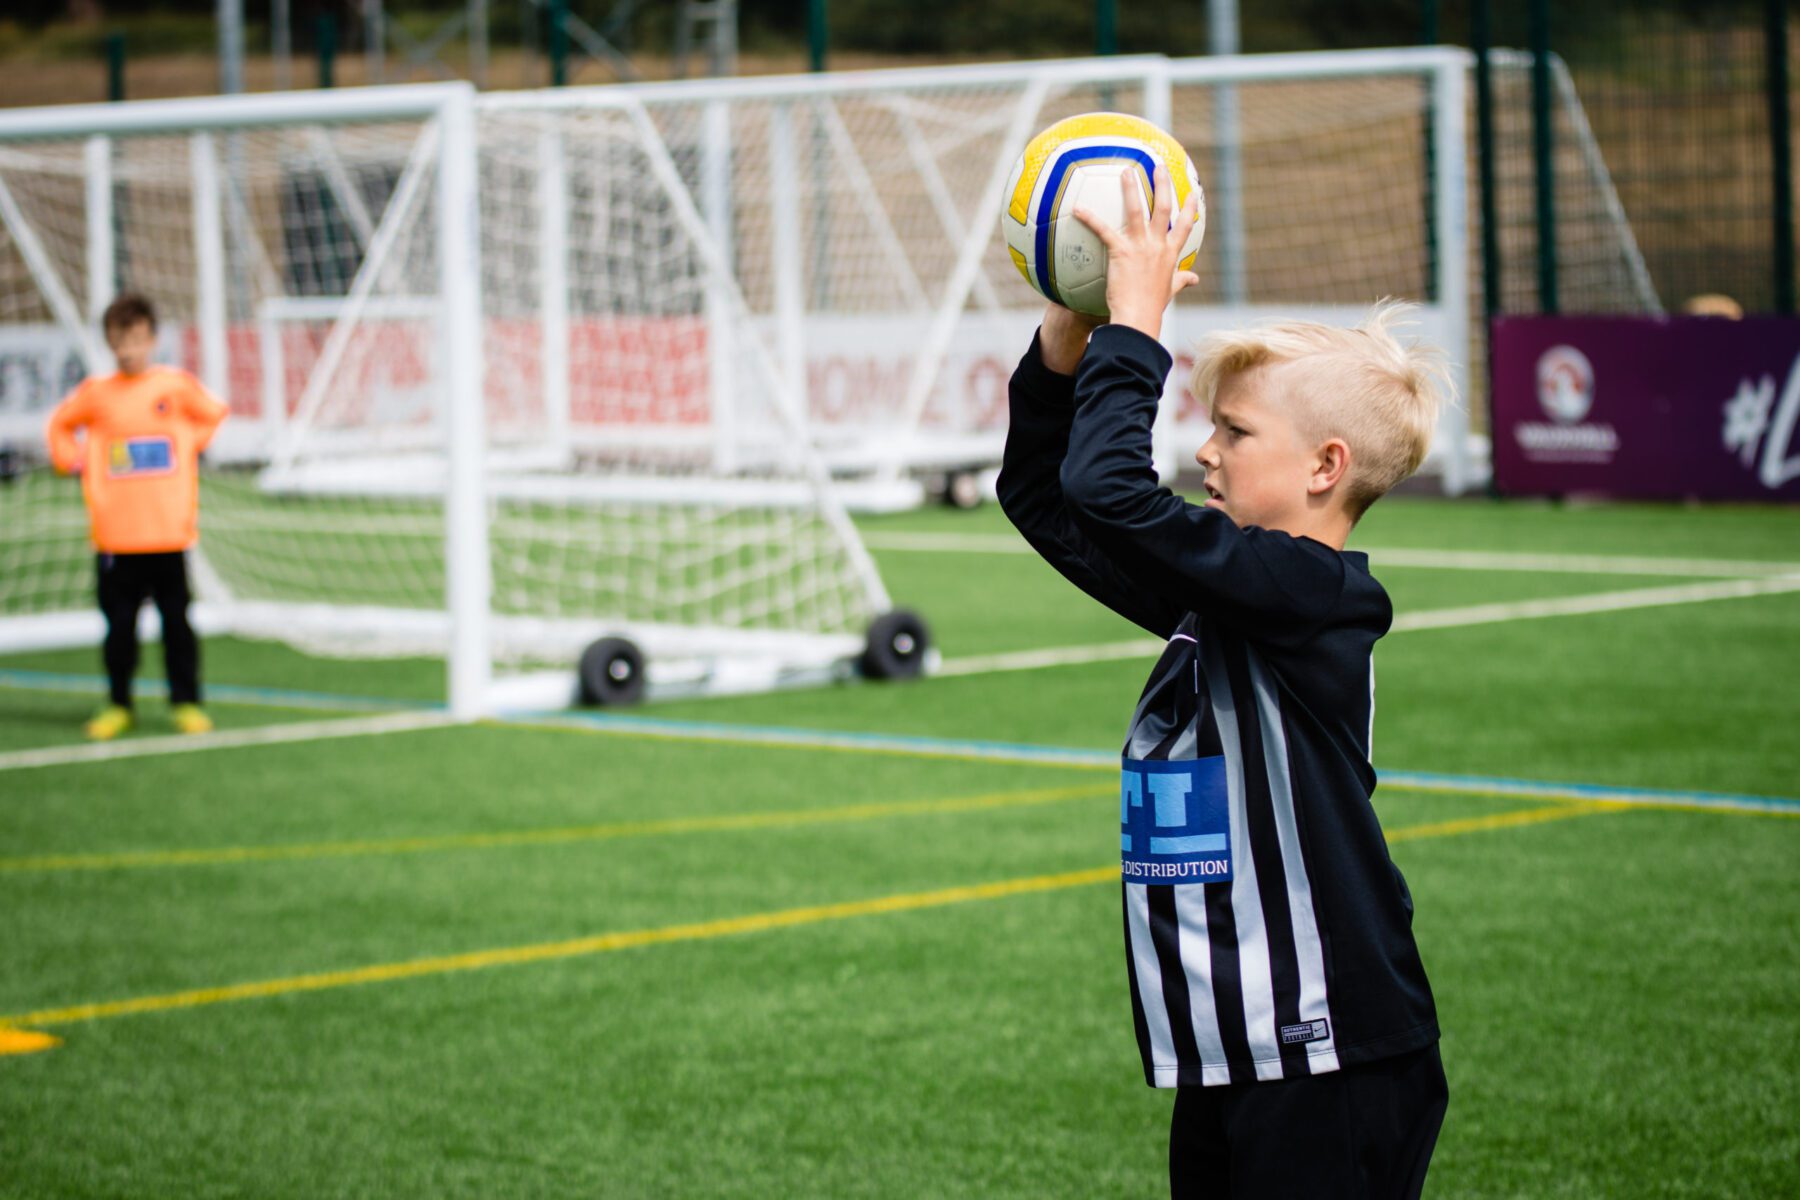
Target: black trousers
x=1365 y=1131
x=125 y=581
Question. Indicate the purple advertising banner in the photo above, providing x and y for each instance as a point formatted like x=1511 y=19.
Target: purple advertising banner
x=1651 y=407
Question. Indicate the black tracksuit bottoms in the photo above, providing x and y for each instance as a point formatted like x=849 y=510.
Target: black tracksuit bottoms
x=125 y=581
x=1364 y=1132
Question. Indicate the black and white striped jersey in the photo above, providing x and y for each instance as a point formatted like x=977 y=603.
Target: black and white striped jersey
x=1268 y=934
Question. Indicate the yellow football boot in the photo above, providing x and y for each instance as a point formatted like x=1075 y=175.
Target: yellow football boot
x=189 y=718
x=109 y=723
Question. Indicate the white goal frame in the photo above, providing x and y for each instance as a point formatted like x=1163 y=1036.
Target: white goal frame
x=479 y=471
x=451 y=108
x=904 y=447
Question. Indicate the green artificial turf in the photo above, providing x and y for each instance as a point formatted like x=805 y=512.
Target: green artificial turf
x=1615 y=987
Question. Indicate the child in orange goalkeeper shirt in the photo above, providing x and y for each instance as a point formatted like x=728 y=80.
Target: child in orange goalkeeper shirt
x=146 y=426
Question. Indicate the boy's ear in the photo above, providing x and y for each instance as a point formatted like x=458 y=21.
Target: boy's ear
x=1331 y=461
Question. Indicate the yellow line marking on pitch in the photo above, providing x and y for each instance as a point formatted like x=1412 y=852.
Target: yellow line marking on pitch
x=1503 y=820
x=601 y=944
x=789 y=818
x=544 y=837
x=1046 y=757
x=696 y=931
x=1550 y=792
x=824 y=743
x=25 y=1041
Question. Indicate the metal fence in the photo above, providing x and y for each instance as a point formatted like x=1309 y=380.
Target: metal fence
x=1689 y=110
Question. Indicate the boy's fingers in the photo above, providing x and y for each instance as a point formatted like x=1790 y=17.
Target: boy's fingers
x=1183 y=279
x=1133 y=197
x=1184 y=221
x=1109 y=237
x=1162 y=189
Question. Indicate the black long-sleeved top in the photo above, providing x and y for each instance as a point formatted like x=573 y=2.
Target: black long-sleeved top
x=1268 y=934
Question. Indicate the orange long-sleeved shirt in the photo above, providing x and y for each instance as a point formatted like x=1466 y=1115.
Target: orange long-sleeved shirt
x=140 y=467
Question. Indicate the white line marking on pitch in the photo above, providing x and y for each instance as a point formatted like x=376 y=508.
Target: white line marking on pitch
x=1452 y=560
x=1055 y=656
x=1578 y=564
x=265 y=735
x=1443 y=618
x=1569 y=606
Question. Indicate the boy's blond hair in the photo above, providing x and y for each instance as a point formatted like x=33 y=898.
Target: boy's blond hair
x=1362 y=385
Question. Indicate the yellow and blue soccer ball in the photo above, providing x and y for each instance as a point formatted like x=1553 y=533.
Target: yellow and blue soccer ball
x=1076 y=164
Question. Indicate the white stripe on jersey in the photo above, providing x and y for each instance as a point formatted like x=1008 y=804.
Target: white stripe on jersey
x=1308 y=948
x=1196 y=963
x=1149 y=980
x=1255 y=974
x=1143 y=743
x=1369 y=746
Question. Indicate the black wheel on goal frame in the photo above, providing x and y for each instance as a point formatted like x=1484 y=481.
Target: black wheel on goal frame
x=612 y=673
x=962 y=489
x=896 y=646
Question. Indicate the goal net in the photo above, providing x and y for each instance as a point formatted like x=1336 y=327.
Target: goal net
x=509 y=373
x=358 y=277
x=860 y=215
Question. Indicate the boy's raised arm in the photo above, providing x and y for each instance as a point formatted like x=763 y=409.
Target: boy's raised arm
x=1030 y=485
x=1266 y=583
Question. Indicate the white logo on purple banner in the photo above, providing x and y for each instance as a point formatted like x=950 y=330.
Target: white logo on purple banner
x=1565 y=383
x=1752 y=413
x=1565 y=389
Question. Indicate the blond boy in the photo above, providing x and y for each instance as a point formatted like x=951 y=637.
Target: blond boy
x=1275 y=983
x=145 y=427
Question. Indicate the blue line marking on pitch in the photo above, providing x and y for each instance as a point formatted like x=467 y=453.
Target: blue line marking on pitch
x=1075 y=756
x=53 y=681
x=907 y=743
x=1596 y=791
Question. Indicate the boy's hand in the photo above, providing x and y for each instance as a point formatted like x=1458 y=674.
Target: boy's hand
x=1141 y=256
x=1063 y=338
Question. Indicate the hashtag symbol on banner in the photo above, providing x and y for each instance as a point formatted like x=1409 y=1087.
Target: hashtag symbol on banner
x=1747 y=417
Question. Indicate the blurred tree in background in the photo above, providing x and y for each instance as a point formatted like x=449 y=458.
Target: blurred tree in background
x=942 y=28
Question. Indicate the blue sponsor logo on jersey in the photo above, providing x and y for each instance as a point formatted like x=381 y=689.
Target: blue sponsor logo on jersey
x=1174 y=821
x=140 y=456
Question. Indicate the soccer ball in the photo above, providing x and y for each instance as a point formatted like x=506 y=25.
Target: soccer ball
x=1076 y=163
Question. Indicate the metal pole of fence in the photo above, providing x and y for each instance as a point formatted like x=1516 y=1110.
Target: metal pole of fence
x=1227 y=200
x=559 y=42
x=818 y=38
x=115 y=66
x=230 y=15
x=281 y=43
x=817 y=34
x=478 y=42
x=1542 y=153
x=1429 y=36
x=1481 y=35
x=1775 y=39
x=1106 y=39
x=374 y=41
x=325 y=32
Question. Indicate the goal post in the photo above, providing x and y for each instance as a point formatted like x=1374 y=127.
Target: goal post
x=515 y=371
x=856 y=213
x=859 y=214
x=388 y=295
x=88 y=153
x=1349 y=178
